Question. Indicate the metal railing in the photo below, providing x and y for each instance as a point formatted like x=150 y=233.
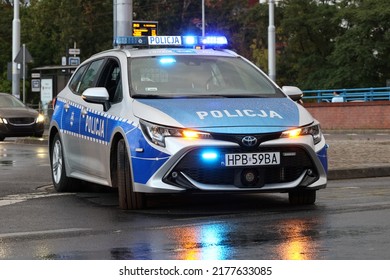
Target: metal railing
x=351 y=94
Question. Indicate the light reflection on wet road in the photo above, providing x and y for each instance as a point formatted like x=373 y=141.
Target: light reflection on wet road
x=350 y=221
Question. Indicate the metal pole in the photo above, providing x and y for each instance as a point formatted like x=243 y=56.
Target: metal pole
x=24 y=73
x=15 y=50
x=271 y=41
x=203 y=20
x=124 y=17
x=114 y=19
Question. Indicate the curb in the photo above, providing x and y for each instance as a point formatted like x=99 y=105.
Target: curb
x=32 y=141
x=355 y=173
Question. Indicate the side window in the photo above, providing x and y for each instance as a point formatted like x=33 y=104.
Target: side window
x=74 y=83
x=89 y=77
x=111 y=79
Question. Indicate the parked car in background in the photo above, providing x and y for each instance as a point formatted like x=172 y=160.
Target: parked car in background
x=17 y=119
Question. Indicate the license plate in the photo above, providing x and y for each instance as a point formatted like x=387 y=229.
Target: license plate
x=252 y=159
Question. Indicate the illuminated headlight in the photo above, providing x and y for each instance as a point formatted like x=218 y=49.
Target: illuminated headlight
x=157 y=133
x=3 y=121
x=313 y=130
x=40 y=119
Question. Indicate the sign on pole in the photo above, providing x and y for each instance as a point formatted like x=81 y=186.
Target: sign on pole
x=74 y=51
x=23 y=56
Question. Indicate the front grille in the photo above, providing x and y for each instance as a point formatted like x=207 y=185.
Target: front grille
x=293 y=162
x=21 y=121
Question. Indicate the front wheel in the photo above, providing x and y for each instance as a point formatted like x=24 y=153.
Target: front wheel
x=302 y=197
x=61 y=182
x=128 y=199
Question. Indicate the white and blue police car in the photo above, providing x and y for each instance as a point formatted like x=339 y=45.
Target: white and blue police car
x=180 y=118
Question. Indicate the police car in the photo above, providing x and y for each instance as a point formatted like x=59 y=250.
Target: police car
x=183 y=118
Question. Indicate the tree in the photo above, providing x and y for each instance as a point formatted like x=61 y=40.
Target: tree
x=320 y=43
x=84 y=22
x=309 y=30
x=361 y=55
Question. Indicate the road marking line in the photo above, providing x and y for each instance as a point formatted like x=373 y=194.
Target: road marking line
x=43 y=232
x=17 y=198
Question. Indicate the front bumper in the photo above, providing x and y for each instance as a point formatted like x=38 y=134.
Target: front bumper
x=302 y=165
x=32 y=129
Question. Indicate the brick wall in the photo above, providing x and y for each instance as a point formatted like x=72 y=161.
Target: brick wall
x=351 y=115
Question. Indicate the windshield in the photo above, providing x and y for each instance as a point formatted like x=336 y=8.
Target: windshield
x=8 y=101
x=198 y=76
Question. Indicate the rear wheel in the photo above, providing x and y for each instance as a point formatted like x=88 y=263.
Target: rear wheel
x=2 y=137
x=302 y=197
x=61 y=182
x=128 y=199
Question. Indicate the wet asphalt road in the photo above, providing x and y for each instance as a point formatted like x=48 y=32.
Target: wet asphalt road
x=349 y=221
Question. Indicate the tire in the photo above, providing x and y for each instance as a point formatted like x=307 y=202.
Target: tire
x=61 y=182
x=302 y=197
x=2 y=138
x=128 y=199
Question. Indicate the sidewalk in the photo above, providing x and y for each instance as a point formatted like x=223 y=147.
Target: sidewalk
x=358 y=154
x=351 y=154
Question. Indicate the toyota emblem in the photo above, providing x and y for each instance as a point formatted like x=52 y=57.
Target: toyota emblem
x=249 y=141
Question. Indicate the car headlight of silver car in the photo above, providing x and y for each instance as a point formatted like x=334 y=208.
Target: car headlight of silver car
x=313 y=130
x=157 y=133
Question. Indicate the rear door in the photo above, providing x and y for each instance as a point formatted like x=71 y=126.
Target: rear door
x=94 y=123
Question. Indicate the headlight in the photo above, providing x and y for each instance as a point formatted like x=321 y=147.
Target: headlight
x=41 y=118
x=313 y=130
x=157 y=133
x=3 y=120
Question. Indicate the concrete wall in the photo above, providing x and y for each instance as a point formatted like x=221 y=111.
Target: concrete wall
x=351 y=115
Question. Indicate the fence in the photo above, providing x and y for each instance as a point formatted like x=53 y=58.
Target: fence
x=353 y=94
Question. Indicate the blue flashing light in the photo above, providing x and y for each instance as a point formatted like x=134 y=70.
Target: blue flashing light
x=210 y=156
x=190 y=40
x=167 y=60
x=131 y=40
x=214 y=40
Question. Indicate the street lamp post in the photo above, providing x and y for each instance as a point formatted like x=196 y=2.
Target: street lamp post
x=203 y=19
x=15 y=51
x=271 y=39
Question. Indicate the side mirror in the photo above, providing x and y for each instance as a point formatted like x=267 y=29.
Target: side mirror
x=293 y=92
x=97 y=95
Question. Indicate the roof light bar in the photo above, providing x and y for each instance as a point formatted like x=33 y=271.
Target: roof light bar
x=186 y=41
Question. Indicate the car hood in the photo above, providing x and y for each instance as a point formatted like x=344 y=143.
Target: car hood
x=224 y=115
x=18 y=113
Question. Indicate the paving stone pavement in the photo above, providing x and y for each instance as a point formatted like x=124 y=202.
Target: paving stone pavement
x=363 y=153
